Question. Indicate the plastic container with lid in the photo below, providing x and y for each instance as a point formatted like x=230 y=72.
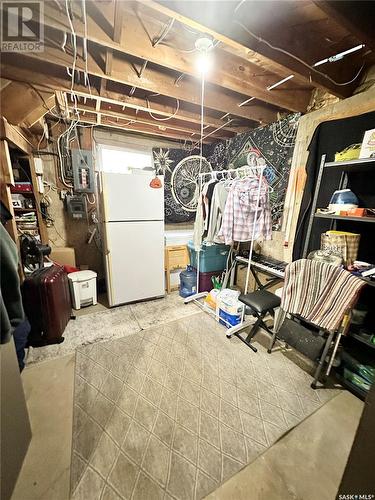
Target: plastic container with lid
x=83 y=288
x=211 y=257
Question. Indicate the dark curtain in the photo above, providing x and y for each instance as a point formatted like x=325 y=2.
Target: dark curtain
x=330 y=138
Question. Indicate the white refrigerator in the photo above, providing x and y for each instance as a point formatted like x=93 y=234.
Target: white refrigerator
x=133 y=237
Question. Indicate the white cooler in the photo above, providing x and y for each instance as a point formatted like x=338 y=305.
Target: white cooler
x=83 y=288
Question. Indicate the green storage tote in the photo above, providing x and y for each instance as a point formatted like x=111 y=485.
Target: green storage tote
x=211 y=257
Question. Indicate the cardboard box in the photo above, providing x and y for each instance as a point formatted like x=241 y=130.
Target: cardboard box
x=63 y=255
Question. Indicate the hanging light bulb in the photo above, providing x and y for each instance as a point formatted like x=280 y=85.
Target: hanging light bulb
x=204 y=63
x=204 y=60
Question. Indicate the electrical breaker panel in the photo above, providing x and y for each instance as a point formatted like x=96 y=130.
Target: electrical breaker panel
x=83 y=171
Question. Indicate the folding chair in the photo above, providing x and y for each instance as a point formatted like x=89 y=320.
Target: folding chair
x=258 y=304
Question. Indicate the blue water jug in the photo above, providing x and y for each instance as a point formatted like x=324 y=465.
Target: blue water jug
x=188 y=282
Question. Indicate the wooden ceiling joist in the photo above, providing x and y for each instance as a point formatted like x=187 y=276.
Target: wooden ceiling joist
x=140 y=118
x=26 y=110
x=141 y=59
x=358 y=17
x=234 y=73
x=117 y=33
x=15 y=136
x=154 y=81
x=21 y=69
x=238 y=40
x=140 y=128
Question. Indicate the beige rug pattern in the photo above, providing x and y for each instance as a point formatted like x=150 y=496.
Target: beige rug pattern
x=173 y=411
x=112 y=324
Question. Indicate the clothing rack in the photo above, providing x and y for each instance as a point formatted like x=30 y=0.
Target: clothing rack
x=241 y=172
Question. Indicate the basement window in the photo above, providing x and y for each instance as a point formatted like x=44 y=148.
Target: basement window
x=114 y=160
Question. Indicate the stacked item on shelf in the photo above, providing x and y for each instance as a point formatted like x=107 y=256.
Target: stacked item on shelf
x=27 y=223
x=359 y=374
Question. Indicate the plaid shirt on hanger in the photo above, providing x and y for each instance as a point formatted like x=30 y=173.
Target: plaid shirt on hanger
x=242 y=221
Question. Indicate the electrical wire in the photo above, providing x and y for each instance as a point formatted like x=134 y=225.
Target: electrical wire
x=239 y=5
x=262 y=40
x=64 y=135
x=164 y=33
x=165 y=118
x=218 y=128
x=74 y=42
x=88 y=199
x=85 y=52
x=185 y=51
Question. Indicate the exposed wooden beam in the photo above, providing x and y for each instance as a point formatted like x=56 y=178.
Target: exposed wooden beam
x=155 y=81
x=117 y=33
x=108 y=62
x=6 y=198
x=141 y=128
x=358 y=17
x=36 y=114
x=20 y=69
x=168 y=125
x=234 y=73
x=118 y=21
x=20 y=103
x=259 y=53
x=6 y=172
x=14 y=135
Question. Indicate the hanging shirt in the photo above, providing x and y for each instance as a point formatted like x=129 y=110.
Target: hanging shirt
x=244 y=218
x=219 y=198
x=201 y=216
x=207 y=191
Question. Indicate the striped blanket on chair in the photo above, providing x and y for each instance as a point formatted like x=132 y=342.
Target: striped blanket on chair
x=318 y=292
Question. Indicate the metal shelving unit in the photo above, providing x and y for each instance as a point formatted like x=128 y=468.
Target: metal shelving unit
x=351 y=165
x=345 y=217
x=361 y=339
x=345 y=167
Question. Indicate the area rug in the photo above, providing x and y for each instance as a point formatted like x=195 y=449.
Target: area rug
x=173 y=411
x=113 y=323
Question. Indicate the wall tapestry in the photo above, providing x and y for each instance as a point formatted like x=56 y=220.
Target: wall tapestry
x=271 y=145
x=181 y=170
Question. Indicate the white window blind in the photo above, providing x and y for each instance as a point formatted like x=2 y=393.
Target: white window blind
x=115 y=160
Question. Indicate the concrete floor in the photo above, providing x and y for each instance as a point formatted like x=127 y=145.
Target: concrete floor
x=306 y=464
x=45 y=474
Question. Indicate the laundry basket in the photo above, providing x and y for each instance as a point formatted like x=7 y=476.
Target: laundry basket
x=83 y=288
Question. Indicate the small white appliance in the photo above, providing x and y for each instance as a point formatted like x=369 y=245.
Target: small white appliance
x=134 y=237
x=83 y=288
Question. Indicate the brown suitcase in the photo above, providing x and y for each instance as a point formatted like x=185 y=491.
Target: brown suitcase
x=47 y=305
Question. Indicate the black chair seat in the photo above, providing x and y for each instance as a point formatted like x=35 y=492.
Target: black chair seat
x=260 y=301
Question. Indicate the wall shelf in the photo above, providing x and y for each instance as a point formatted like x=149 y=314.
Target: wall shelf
x=345 y=217
x=361 y=339
x=351 y=165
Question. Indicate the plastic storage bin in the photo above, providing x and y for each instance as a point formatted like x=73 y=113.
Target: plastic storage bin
x=83 y=288
x=211 y=258
x=205 y=283
x=188 y=282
